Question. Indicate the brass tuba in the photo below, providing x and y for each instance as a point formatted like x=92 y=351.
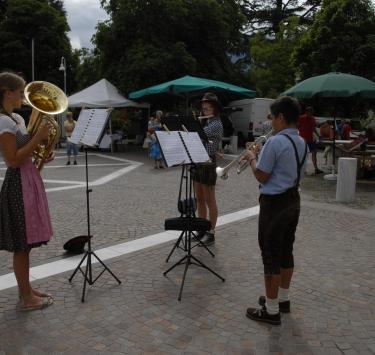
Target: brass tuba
x=46 y=100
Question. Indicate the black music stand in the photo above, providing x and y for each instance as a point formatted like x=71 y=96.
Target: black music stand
x=186 y=149
x=187 y=207
x=92 y=137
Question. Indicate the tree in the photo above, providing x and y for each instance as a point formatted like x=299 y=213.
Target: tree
x=271 y=66
x=148 y=42
x=88 y=72
x=45 y=22
x=342 y=38
x=268 y=16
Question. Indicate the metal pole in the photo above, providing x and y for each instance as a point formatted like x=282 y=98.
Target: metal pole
x=64 y=75
x=32 y=59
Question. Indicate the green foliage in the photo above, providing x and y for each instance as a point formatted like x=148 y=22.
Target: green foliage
x=271 y=67
x=149 y=42
x=342 y=38
x=88 y=72
x=268 y=16
x=118 y=121
x=45 y=22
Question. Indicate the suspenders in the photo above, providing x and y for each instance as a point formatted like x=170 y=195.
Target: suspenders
x=299 y=164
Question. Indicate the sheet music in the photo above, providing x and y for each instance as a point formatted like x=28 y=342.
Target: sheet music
x=172 y=147
x=90 y=126
x=181 y=147
x=195 y=147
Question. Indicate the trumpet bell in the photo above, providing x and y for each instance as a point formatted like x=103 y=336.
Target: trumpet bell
x=221 y=173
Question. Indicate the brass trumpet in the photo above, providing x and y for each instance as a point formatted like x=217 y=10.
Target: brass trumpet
x=223 y=172
x=243 y=164
x=46 y=100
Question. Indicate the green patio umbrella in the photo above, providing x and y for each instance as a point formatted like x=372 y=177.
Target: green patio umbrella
x=189 y=86
x=333 y=86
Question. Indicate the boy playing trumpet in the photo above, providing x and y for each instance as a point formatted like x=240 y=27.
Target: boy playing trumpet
x=279 y=169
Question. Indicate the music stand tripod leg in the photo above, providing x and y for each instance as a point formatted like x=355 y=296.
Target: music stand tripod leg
x=88 y=266
x=174 y=265
x=206 y=267
x=106 y=268
x=78 y=267
x=183 y=277
x=175 y=245
x=88 y=272
x=205 y=246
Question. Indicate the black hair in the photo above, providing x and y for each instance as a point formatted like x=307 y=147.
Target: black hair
x=288 y=106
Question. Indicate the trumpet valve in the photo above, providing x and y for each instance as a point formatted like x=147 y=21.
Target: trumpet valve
x=242 y=165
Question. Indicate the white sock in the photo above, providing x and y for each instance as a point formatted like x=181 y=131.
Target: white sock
x=272 y=305
x=283 y=294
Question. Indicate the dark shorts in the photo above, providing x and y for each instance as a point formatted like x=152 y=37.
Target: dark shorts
x=205 y=173
x=312 y=147
x=278 y=219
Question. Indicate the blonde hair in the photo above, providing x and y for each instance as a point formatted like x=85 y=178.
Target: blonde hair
x=9 y=81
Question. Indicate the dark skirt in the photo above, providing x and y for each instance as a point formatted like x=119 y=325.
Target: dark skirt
x=205 y=173
x=12 y=216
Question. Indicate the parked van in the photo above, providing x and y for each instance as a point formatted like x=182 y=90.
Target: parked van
x=248 y=116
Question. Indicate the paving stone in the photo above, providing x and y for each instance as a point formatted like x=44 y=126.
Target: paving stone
x=332 y=293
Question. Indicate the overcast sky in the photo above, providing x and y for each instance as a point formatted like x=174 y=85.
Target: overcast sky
x=83 y=16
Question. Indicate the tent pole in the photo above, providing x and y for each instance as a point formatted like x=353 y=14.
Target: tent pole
x=187 y=106
x=110 y=132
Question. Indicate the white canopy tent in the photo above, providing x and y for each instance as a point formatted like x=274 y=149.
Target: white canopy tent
x=102 y=94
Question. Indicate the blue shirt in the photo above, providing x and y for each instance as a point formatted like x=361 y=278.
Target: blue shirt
x=278 y=158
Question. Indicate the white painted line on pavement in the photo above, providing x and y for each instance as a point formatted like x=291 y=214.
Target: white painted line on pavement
x=66 y=182
x=67 y=264
x=80 y=166
x=114 y=175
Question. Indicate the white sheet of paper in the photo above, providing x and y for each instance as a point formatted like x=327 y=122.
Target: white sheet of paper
x=178 y=147
x=90 y=126
x=172 y=147
x=195 y=147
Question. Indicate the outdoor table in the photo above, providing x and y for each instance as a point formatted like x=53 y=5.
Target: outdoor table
x=337 y=141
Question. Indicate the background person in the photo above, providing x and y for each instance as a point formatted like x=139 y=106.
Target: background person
x=346 y=130
x=24 y=215
x=204 y=176
x=307 y=128
x=155 y=151
x=281 y=165
x=69 y=125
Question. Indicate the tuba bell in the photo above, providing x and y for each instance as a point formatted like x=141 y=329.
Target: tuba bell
x=47 y=100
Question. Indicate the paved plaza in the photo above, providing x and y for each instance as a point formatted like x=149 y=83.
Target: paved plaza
x=332 y=295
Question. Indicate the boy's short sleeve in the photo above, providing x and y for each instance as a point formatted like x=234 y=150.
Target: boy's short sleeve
x=7 y=125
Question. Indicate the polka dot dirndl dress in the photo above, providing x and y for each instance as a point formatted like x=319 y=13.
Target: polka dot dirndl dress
x=25 y=221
